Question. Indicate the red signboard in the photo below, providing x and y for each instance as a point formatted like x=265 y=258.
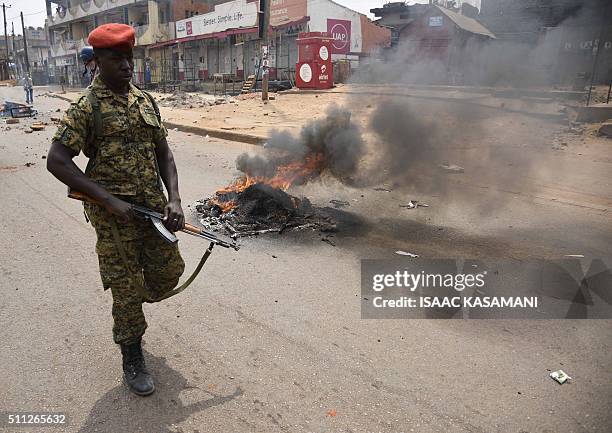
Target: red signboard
x=340 y=31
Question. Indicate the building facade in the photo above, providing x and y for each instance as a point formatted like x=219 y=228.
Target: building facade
x=226 y=39
x=38 y=54
x=187 y=41
x=564 y=39
x=69 y=22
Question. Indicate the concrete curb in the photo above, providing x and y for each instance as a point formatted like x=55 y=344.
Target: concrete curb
x=198 y=130
x=218 y=133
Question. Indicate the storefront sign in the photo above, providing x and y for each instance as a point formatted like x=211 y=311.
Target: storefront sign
x=286 y=11
x=226 y=16
x=306 y=73
x=340 y=30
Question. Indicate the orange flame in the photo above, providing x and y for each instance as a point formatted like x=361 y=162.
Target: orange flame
x=285 y=176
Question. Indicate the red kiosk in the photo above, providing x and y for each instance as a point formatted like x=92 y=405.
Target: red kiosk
x=314 y=69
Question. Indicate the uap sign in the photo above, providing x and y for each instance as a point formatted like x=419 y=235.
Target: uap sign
x=340 y=31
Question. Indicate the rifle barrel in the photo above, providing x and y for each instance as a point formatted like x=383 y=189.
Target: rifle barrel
x=189 y=229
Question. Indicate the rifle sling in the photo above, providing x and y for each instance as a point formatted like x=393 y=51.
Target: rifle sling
x=169 y=294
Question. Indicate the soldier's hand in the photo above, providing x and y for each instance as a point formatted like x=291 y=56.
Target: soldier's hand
x=174 y=218
x=121 y=209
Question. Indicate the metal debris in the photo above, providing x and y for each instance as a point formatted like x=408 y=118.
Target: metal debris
x=329 y=241
x=406 y=253
x=339 y=203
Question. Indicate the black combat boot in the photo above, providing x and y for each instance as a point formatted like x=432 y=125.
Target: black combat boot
x=134 y=370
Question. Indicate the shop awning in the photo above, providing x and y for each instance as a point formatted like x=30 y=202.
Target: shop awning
x=217 y=35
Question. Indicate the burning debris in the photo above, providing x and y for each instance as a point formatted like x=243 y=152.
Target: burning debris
x=257 y=202
x=259 y=208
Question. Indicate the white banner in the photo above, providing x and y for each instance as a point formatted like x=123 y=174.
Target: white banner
x=226 y=16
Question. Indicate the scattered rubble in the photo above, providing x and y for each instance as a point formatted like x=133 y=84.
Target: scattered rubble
x=606 y=129
x=180 y=99
x=11 y=121
x=39 y=126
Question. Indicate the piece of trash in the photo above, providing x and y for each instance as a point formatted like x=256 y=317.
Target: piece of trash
x=413 y=204
x=406 y=253
x=329 y=241
x=576 y=256
x=37 y=126
x=175 y=129
x=382 y=189
x=332 y=412
x=452 y=168
x=560 y=376
x=29 y=164
x=11 y=120
x=339 y=203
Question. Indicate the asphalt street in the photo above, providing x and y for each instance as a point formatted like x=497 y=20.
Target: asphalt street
x=270 y=338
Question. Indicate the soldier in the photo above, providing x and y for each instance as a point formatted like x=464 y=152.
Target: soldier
x=89 y=64
x=118 y=127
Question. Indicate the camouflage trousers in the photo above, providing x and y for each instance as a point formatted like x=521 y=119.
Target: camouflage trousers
x=155 y=267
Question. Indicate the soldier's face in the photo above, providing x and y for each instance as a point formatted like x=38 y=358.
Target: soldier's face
x=116 y=66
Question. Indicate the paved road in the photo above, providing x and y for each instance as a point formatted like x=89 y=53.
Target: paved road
x=270 y=339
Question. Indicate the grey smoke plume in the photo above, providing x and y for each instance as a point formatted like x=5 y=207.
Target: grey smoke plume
x=335 y=137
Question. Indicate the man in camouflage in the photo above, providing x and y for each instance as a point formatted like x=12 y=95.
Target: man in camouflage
x=117 y=126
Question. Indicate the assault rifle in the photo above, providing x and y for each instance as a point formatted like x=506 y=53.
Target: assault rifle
x=157 y=219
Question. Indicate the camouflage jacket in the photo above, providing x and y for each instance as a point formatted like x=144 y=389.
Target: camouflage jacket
x=119 y=140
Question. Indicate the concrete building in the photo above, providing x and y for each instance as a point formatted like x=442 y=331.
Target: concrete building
x=397 y=15
x=186 y=41
x=38 y=54
x=442 y=46
x=564 y=38
x=70 y=21
x=226 y=39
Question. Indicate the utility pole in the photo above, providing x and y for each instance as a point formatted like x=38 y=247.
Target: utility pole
x=13 y=46
x=6 y=40
x=25 y=45
x=265 y=82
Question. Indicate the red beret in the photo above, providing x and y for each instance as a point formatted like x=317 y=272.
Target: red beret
x=120 y=37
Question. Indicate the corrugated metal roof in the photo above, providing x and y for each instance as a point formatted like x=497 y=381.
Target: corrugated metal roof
x=466 y=23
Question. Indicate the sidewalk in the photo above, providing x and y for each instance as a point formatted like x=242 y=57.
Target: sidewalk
x=247 y=119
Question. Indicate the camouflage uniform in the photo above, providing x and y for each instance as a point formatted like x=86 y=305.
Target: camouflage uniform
x=123 y=161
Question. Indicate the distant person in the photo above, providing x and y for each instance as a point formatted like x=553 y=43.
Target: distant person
x=29 y=88
x=89 y=62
